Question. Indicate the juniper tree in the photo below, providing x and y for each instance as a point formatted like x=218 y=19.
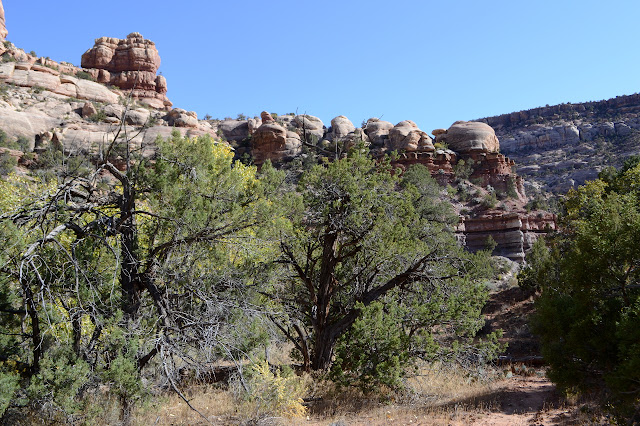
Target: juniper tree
x=124 y=268
x=361 y=234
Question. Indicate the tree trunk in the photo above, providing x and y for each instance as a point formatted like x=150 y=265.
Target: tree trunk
x=129 y=277
x=323 y=346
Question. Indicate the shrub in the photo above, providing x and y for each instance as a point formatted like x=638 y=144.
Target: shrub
x=374 y=352
x=85 y=75
x=512 y=191
x=274 y=393
x=7 y=163
x=98 y=117
x=588 y=314
x=489 y=201
x=463 y=169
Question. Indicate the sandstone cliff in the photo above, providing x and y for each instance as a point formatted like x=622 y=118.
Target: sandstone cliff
x=558 y=147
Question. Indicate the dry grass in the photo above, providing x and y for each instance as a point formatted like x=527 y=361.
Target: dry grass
x=438 y=395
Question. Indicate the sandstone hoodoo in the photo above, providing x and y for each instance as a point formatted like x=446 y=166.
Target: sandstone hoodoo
x=130 y=64
x=378 y=131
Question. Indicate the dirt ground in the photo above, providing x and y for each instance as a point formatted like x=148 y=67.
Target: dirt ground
x=517 y=393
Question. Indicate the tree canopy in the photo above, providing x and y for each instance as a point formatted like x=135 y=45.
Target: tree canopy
x=362 y=234
x=589 y=309
x=120 y=269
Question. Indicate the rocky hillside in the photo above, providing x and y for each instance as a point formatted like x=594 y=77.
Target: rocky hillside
x=46 y=105
x=557 y=147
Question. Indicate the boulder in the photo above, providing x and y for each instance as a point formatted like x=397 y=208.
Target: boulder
x=235 y=130
x=88 y=109
x=309 y=125
x=341 y=126
x=378 y=131
x=253 y=124
x=178 y=117
x=467 y=137
x=273 y=142
x=138 y=117
x=266 y=117
x=406 y=136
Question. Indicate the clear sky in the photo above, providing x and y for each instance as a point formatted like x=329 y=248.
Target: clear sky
x=433 y=62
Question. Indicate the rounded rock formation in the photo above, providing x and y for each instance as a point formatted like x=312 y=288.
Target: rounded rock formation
x=378 y=131
x=468 y=137
x=406 y=136
x=273 y=142
x=341 y=126
x=309 y=126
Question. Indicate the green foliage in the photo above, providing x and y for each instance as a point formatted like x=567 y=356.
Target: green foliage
x=98 y=117
x=374 y=351
x=62 y=374
x=511 y=188
x=148 y=276
x=9 y=383
x=7 y=163
x=587 y=316
x=463 y=169
x=7 y=57
x=85 y=75
x=360 y=234
x=490 y=200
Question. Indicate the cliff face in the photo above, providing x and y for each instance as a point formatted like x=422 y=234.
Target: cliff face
x=558 y=147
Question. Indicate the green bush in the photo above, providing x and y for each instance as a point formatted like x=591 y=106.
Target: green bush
x=7 y=163
x=490 y=200
x=463 y=169
x=588 y=314
x=85 y=75
x=374 y=352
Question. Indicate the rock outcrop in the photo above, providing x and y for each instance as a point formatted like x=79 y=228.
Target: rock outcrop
x=271 y=141
x=309 y=126
x=378 y=131
x=341 y=127
x=3 y=27
x=130 y=64
x=467 y=137
x=561 y=146
x=406 y=136
x=513 y=233
x=27 y=74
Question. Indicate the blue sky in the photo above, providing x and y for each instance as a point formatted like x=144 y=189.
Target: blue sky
x=433 y=62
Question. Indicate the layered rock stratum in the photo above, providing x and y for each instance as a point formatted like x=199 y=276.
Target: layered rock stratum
x=130 y=64
x=561 y=146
